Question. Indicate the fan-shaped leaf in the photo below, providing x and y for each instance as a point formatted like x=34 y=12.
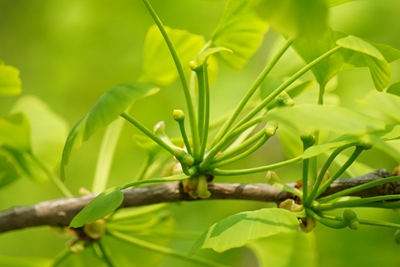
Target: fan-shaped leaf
x=239 y=30
x=158 y=67
x=102 y=205
x=293 y=249
x=113 y=102
x=245 y=227
x=394 y=89
x=336 y=119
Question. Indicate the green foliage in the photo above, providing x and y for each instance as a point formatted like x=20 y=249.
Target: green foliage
x=245 y=227
x=10 y=83
x=104 y=204
x=322 y=135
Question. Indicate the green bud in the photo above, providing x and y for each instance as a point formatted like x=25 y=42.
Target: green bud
x=283 y=99
x=272 y=178
x=351 y=218
x=202 y=187
x=307 y=224
x=270 y=128
x=289 y=204
x=95 y=230
x=183 y=157
x=308 y=139
x=178 y=115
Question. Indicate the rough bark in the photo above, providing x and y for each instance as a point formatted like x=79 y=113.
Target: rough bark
x=60 y=212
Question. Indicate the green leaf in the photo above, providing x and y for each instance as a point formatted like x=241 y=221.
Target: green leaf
x=304 y=118
x=24 y=262
x=10 y=83
x=293 y=249
x=239 y=30
x=8 y=168
x=204 y=55
x=367 y=54
x=158 y=67
x=245 y=227
x=394 y=89
x=15 y=132
x=102 y=205
x=332 y=3
x=322 y=148
x=387 y=105
x=113 y=102
x=48 y=130
x=311 y=47
x=294 y=18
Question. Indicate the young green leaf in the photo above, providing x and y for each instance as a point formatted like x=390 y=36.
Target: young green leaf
x=385 y=104
x=245 y=227
x=394 y=89
x=158 y=67
x=15 y=132
x=304 y=118
x=102 y=205
x=48 y=129
x=204 y=55
x=367 y=54
x=10 y=83
x=113 y=102
x=293 y=249
x=8 y=168
x=294 y=18
x=239 y=30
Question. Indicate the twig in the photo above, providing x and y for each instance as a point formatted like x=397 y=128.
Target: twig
x=60 y=212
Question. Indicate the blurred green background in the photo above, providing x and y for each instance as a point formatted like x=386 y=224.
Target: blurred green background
x=70 y=52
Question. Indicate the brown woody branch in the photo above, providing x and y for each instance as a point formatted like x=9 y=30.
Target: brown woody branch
x=60 y=212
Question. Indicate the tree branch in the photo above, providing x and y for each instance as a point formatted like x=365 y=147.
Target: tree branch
x=60 y=212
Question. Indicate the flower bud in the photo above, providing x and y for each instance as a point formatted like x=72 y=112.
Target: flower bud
x=95 y=230
x=178 y=115
x=351 y=218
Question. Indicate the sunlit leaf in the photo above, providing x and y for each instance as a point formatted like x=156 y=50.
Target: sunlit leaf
x=102 y=205
x=294 y=18
x=385 y=104
x=293 y=249
x=240 y=229
x=336 y=119
x=10 y=83
x=394 y=89
x=48 y=130
x=113 y=102
x=314 y=46
x=239 y=30
x=158 y=67
x=24 y=262
x=367 y=54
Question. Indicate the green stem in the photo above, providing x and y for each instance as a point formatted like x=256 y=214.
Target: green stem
x=174 y=178
x=224 y=129
x=181 y=73
x=224 y=141
x=179 y=117
x=284 y=85
x=147 y=132
x=342 y=169
x=264 y=138
x=229 y=153
x=328 y=220
x=162 y=250
x=318 y=181
x=306 y=163
x=143 y=168
x=54 y=178
x=359 y=202
x=255 y=170
x=106 y=254
x=358 y=188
